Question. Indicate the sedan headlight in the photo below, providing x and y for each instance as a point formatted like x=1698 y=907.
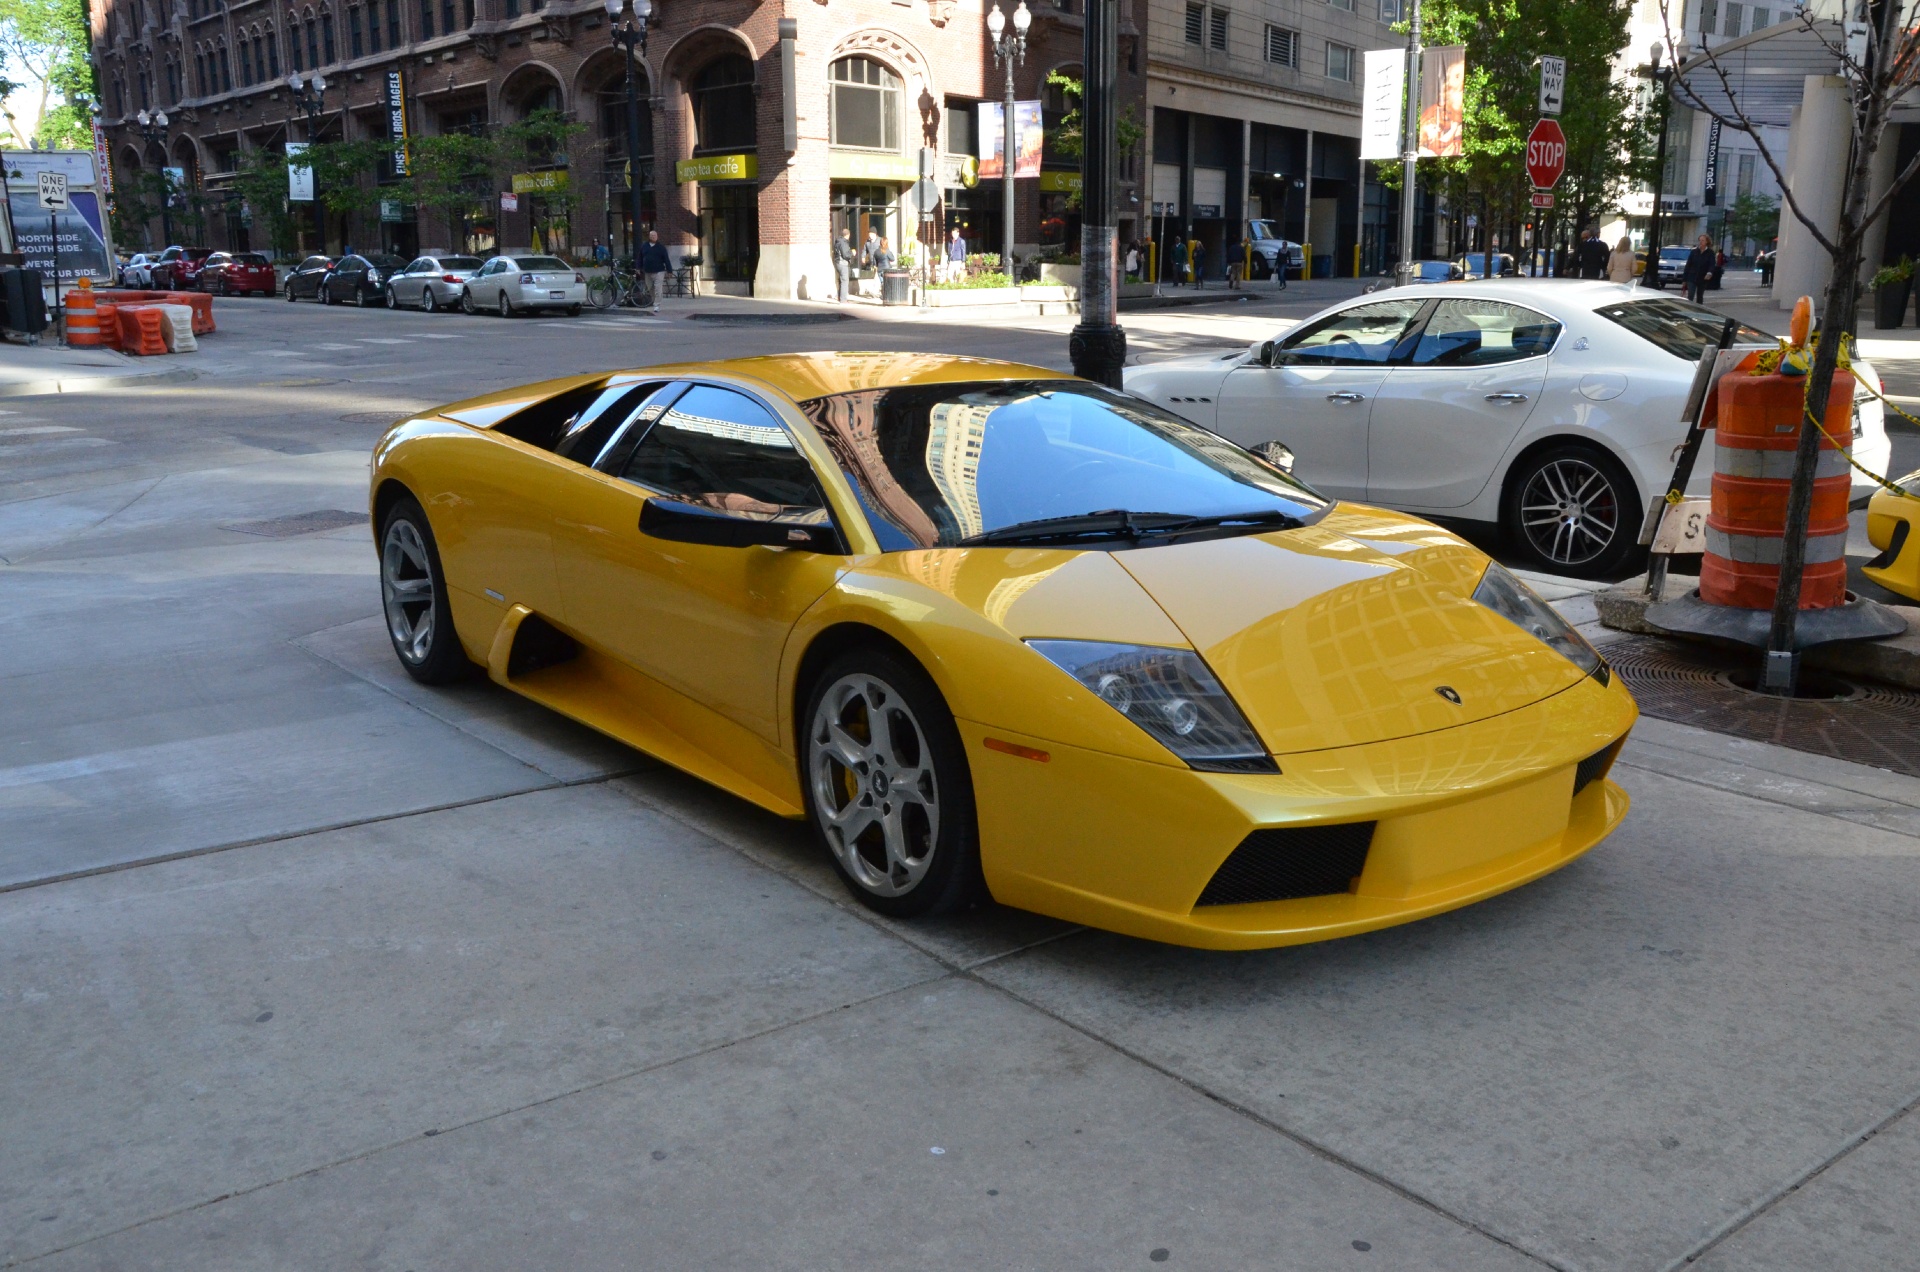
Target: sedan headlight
x=1514 y=601
x=1171 y=694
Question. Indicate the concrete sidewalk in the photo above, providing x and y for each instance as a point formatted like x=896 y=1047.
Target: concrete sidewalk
x=32 y=370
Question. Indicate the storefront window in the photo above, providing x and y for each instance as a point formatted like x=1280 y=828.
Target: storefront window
x=866 y=105
x=723 y=106
x=730 y=230
x=859 y=209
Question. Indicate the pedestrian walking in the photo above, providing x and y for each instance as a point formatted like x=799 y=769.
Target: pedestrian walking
x=1133 y=261
x=655 y=264
x=599 y=252
x=1236 y=261
x=881 y=258
x=1700 y=262
x=1593 y=254
x=867 y=249
x=1197 y=253
x=956 y=256
x=1180 y=261
x=1620 y=264
x=843 y=262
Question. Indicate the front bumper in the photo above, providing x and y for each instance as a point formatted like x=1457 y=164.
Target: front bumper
x=1462 y=814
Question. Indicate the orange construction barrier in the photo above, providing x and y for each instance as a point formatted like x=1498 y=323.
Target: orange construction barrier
x=109 y=323
x=1757 y=431
x=201 y=303
x=142 y=329
x=83 y=323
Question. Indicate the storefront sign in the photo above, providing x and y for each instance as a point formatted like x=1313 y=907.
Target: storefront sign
x=959 y=172
x=1711 y=193
x=509 y=202
x=390 y=211
x=101 y=162
x=717 y=168
x=397 y=120
x=552 y=181
x=1060 y=182
x=1207 y=211
x=854 y=165
x=299 y=175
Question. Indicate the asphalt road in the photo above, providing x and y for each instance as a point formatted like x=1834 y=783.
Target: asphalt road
x=302 y=965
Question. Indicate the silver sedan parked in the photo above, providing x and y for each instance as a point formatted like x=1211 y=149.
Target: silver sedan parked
x=431 y=283
x=507 y=285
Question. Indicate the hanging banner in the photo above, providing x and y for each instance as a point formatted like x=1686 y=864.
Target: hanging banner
x=1381 y=102
x=397 y=119
x=1443 y=102
x=299 y=175
x=102 y=164
x=1711 y=193
x=1029 y=135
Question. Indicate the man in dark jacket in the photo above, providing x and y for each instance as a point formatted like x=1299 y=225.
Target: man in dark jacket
x=1700 y=263
x=1593 y=254
x=655 y=264
x=843 y=262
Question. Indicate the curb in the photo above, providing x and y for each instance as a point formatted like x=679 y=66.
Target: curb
x=93 y=384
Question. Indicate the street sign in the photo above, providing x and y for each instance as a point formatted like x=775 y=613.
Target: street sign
x=53 y=191
x=1543 y=198
x=1553 y=84
x=1546 y=154
x=926 y=196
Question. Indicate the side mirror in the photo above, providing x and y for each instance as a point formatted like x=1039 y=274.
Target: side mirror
x=1267 y=350
x=689 y=523
x=1279 y=454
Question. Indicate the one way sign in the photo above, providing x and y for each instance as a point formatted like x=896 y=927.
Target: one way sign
x=53 y=191
x=1553 y=84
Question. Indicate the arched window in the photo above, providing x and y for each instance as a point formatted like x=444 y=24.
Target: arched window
x=613 y=118
x=723 y=114
x=356 y=43
x=226 y=71
x=866 y=105
x=373 y=26
x=293 y=44
x=326 y=35
x=313 y=41
x=426 y=21
x=273 y=55
x=393 y=24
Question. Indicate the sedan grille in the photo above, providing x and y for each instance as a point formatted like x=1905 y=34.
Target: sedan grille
x=1291 y=862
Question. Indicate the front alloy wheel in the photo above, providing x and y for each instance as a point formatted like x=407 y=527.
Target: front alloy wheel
x=888 y=788
x=506 y=306
x=466 y=302
x=1573 y=510
x=413 y=598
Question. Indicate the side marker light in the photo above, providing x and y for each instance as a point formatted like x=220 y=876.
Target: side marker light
x=1014 y=748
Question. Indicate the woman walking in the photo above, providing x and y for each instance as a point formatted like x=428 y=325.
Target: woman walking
x=1620 y=262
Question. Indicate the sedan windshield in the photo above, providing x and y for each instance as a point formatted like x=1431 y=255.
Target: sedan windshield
x=1045 y=461
x=548 y=262
x=1678 y=326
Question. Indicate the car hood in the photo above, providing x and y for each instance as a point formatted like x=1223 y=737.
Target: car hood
x=1348 y=631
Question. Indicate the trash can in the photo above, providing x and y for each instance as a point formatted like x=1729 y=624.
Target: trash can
x=1322 y=266
x=896 y=287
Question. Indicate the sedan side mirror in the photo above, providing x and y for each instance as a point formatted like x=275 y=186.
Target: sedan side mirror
x=1267 y=350
x=1279 y=454
x=689 y=523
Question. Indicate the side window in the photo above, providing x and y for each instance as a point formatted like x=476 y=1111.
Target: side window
x=1364 y=335
x=720 y=449
x=1478 y=333
x=417 y=267
x=586 y=435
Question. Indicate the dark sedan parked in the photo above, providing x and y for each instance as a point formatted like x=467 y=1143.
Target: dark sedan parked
x=305 y=278
x=237 y=274
x=360 y=279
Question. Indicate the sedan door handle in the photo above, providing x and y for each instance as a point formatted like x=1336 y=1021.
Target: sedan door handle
x=1506 y=397
x=1346 y=397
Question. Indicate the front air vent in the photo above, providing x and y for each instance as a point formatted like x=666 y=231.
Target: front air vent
x=1595 y=766
x=1291 y=862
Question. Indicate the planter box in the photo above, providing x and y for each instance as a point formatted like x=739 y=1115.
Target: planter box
x=1041 y=291
x=1134 y=291
x=966 y=297
x=1890 y=304
x=1060 y=275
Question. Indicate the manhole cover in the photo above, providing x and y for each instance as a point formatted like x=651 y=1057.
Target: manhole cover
x=299 y=523
x=1699 y=685
x=768 y=320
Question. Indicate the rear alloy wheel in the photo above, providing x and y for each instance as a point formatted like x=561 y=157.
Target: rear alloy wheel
x=290 y=296
x=428 y=304
x=506 y=306
x=466 y=303
x=413 y=594
x=326 y=294
x=888 y=789
x=1573 y=509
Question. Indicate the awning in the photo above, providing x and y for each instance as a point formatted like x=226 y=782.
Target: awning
x=1766 y=72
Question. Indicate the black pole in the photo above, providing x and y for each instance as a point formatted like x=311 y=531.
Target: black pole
x=1650 y=276
x=629 y=39
x=59 y=309
x=1098 y=344
x=1008 y=141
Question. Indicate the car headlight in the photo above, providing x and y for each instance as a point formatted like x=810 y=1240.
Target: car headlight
x=1169 y=693
x=1514 y=601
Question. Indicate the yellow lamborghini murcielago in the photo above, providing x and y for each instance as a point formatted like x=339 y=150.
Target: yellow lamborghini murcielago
x=994 y=630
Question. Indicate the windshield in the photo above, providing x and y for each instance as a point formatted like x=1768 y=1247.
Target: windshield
x=545 y=262
x=1672 y=253
x=936 y=465
x=1260 y=230
x=1678 y=326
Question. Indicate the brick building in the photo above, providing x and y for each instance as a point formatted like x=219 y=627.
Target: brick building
x=754 y=178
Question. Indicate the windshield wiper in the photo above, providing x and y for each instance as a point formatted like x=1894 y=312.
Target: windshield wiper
x=1121 y=523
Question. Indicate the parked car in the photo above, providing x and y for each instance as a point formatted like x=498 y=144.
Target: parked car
x=178 y=268
x=138 y=271
x=359 y=279
x=305 y=278
x=1673 y=263
x=1436 y=272
x=431 y=283
x=508 y=284
x=1269 y=248
x=1549 y=407
x=237 y=274
x=1102 y=628
x=1474 y=265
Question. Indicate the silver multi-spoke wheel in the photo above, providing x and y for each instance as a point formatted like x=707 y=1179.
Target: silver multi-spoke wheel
x=873 y=783
x=1570 y=511
x=406 y=586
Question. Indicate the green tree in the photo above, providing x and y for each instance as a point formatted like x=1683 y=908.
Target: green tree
x=1754 y=216
x=345 y=175
x=48 y=40
x=1069 y=137
x=260 y=179
x=449 y=175
x=540 y=141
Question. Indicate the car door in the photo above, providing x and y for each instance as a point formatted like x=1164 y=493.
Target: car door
x=479 y=286
x=710 y=622
x=1315 y=391
x=1449 y=411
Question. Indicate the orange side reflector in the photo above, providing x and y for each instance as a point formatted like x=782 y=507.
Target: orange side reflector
x=1014 y=748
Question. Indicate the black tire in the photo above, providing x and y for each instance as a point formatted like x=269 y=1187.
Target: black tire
x=466 y=302
x=935 y=867
x=506 y=306
x=409 y=556
x=290 y=296
x=573 y=311
x=1571 y=508
x=393 y=301
x=428 y=304
x=326 y=294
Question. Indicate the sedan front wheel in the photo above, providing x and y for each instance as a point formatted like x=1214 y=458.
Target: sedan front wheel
x=1573 y=509
x=888 y=789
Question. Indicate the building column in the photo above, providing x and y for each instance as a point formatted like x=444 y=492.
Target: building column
x=1817 y=153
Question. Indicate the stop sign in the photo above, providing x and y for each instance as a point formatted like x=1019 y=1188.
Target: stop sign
x=1546 y=154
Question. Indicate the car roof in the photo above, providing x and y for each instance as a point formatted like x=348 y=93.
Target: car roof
x=1536 y=291
x=810 y=375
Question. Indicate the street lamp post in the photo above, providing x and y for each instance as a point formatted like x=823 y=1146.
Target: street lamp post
x=153 y=128
x=1098 y=344
x=1409 y=150
x=628 y=22
x=310 y=95
x=1661 y=76
x=1009 y=50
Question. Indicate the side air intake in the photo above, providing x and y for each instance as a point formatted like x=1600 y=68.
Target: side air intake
x=1290 y=862
x=1595 y=766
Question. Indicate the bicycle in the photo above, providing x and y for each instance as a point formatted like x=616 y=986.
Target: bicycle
x=621 y=286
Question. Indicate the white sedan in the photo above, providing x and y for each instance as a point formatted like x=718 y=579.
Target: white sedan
x=507 y=285
x=1549 y=407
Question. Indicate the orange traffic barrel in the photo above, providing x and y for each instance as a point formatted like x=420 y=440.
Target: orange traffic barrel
x=1757 y=432
x=83 y=321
